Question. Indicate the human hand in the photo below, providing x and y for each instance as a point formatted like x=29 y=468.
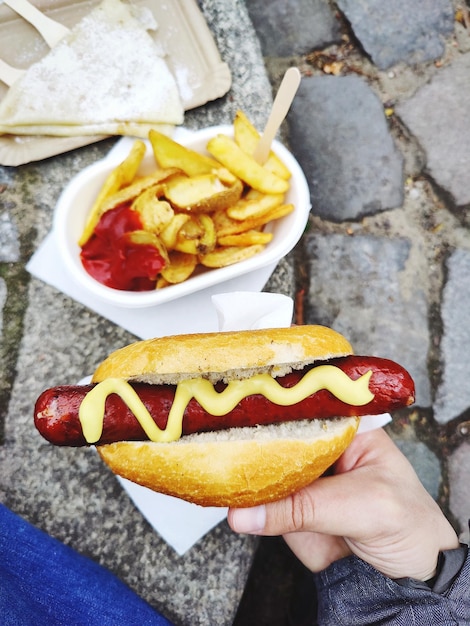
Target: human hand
x=373 y=506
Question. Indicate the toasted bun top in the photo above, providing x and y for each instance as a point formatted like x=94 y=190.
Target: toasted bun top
x=223 y=355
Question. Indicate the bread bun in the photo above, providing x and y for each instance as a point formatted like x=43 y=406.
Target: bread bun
x=224 y=355
x=238 y=466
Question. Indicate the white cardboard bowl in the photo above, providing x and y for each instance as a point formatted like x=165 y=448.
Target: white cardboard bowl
x=77 y=198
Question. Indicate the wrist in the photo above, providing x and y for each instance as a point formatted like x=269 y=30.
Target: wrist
x=447 y=541
x=449 y=565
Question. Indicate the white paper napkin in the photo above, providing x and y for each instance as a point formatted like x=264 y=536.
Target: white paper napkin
x=369 y=422
x=245 y=310
x=191 y=313
x=181 y=524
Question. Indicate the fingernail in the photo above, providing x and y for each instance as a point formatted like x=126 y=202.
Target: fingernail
x=250 y=521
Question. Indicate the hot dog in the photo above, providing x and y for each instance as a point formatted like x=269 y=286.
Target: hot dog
x=57 y=409
x=257 y=445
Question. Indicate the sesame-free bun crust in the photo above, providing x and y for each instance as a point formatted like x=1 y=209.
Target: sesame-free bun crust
x=237 y=468
x=224 y=355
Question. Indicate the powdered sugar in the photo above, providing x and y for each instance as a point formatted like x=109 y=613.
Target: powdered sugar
x=107 y=69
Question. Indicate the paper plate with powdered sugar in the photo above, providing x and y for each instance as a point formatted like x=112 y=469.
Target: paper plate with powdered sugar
x=182 y=40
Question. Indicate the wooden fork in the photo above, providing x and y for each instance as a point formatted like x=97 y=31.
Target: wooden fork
x=51 y=31
x=9 y=74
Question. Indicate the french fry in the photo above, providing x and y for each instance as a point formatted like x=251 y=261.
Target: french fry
x=248 y=238
x=169 y=153
x=144 y=238
x=197 y=210
x=132 y=191
x=221 y=257
x=224 y=225
x=161 y=282
x=196 y=236
x=169 y=234
x=191 y=230
x=243 y=165
x=120 y=177
x=155 y=214
x=180 y=267
x=247 y=137
x=204 y=193
x=254 y=205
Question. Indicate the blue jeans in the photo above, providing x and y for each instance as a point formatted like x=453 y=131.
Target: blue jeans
x=42 y=581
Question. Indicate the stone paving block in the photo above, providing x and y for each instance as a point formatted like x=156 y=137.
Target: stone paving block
x=9 y=244
x=425 y=463
x=400 y=30
x=339 y=134
x=3 y=297
x=437 y=115
x=291 y=27
x=356 y=287
x=453 y=392
x=459 y=471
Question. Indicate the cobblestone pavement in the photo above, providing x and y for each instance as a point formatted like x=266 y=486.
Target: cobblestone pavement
x=380 y=126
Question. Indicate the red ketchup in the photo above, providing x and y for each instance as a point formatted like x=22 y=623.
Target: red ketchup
x=113 y=259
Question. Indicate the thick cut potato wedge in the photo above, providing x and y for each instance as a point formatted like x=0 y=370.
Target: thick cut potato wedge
x=248 y=238
x=204 y=193
x=221 y=257
x=254 y=205
x=196 y=236
x=155 y=214
x=169 y=234
x=130 y=193
x=169 y=153
x=180 y=267
x=247 y=137
x=242 y=165
x=224 y=225
x=121 y=176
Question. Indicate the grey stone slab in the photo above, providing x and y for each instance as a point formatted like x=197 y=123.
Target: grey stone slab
x=357 y=287
x=283 y=279
x=453 y=392
x=339 y=134
x=400 y=30
x=459 y=471
x=3 y=297
x=425 y=463
x=9 y=242
x=291 y=27
x=437 y=115
x=239 y=47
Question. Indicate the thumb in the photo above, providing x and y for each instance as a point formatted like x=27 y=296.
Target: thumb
x=333 y=505
x=292 y=514
x=250 y=521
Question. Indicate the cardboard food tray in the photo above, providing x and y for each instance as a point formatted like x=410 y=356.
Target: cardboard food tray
x=182 y=34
